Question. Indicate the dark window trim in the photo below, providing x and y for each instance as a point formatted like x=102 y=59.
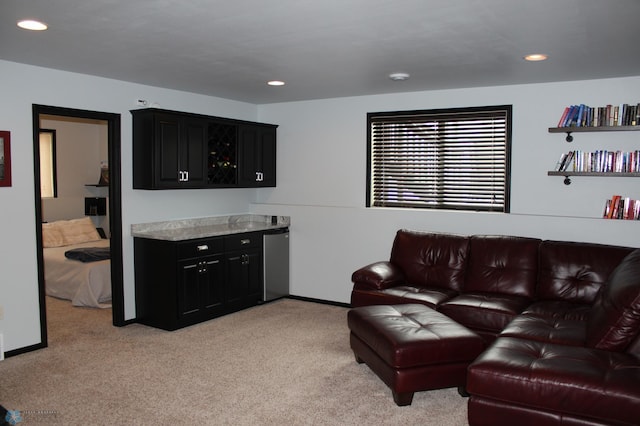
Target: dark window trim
x=481 y=109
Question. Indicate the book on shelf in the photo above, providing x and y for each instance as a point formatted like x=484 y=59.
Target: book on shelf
x=582 y=115
x=563 y=117
x=601 y=161
x=622 y=208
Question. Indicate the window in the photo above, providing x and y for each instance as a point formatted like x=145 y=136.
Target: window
x=48 y=178
x=440 y=159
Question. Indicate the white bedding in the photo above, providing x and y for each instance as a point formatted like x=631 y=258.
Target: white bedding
x=85 y=284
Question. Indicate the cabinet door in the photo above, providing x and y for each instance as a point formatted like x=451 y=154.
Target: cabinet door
x=236 y=280
x=257 y=152
x=254 y=276
x=188 y=288
x=167 y=152
x=180 y=151
x=193 y=152
x=212 y=285
x=244 y=278
x=200 y=288
x=268 y=156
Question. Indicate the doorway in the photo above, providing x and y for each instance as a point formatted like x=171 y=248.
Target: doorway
x=114 y=206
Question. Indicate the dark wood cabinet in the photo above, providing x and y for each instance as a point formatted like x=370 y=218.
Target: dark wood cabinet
x=170 y=151
x=173 y=150
x=180 y=283
x=200 y=287
x=243 y=262
x=257 y=156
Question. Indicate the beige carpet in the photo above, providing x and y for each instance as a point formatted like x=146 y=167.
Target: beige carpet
x=287 y=362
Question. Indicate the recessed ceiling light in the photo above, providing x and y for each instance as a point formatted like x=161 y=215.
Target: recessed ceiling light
x=535 y=57
x=398 y=76
x=29 y=24
x=275 y=83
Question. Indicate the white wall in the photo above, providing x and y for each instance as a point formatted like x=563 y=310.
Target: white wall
x=322 y=178
x=21 y=87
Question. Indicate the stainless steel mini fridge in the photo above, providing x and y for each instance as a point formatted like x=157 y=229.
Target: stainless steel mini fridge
x=276 y=263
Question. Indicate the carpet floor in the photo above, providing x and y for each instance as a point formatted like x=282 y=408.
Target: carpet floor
x=285 y=362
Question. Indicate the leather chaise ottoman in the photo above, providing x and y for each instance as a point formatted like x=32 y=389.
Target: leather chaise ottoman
x=412 y=347
x=525 y=382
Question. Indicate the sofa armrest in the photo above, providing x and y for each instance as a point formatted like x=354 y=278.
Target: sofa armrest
x=379 y=275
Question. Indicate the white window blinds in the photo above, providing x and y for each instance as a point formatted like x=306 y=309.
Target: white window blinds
x=440 y=159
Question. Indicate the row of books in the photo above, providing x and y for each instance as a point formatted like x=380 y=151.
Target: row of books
x=622 y=208
x=610 y=115
x=599 y=161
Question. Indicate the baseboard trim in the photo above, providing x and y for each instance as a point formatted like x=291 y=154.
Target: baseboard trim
x=321 y=301
x=24 y=350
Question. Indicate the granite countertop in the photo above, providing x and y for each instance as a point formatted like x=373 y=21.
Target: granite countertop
x=189 y=229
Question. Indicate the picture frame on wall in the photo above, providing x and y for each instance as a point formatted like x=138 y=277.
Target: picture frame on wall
x=5 y=158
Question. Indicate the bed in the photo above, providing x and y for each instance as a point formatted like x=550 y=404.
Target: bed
x=83 y=283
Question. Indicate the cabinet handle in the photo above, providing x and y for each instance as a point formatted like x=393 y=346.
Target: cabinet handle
x=202 y=247
x=245 y=241
x=186 y=176
x=259 y=176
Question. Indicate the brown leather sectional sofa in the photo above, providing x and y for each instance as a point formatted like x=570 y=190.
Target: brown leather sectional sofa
x=561 y=320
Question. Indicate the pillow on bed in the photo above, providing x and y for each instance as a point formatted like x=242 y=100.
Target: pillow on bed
x=51 y=236
x=68 y=232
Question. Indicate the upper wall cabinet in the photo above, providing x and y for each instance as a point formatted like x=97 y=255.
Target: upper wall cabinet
x=257 y=155
x=169 y=150
x=179 y=150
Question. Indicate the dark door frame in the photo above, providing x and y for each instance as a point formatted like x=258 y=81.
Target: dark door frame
x=115 y=206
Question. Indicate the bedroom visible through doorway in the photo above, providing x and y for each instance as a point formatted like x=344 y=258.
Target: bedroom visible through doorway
x=82 y=164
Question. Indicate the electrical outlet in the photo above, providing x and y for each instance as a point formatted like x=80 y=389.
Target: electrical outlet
x=142 y=102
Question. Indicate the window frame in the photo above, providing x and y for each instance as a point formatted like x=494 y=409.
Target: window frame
x=429 y=115
x=51 y=167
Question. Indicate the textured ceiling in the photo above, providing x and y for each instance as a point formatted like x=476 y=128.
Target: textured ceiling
x=328 y=48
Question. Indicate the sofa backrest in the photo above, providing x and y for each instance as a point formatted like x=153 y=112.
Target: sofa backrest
x=502 y=264
x=575 y=272
x=634 y=347
x=614 y=322
x=431 y=259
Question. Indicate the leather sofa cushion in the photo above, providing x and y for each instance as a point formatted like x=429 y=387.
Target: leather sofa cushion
x=431 y=260
x=430 y=297
x=502 y=265
x=407 y=336
x=615 y=317
x=575 y=272
x=547 y=329
x=559 y=309
x=483 y=311
x=582 y=382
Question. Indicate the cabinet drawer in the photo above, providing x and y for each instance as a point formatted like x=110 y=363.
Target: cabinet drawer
x=197 y=248
x=240 y=241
